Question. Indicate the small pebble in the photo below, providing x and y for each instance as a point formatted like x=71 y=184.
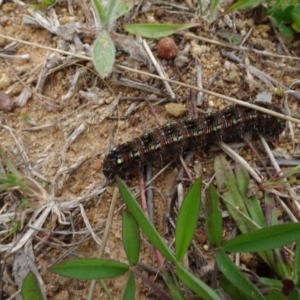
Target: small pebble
x=167 y=48
x=175 y=109
x=6 y=104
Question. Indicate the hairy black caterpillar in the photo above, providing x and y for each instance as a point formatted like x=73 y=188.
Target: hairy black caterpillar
x=173 y=138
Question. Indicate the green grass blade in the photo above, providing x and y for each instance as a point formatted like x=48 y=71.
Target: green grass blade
x=187 y=219
x=173 y=286
x=213 y=217
x=89 y=268
x=196 y=285
x=111 y=13
x=275 y=294
x=236 y=277
x=270 y=210
x=9 y=164
x=144 y=223
x=263 y=239
x=243 y=4
x=129 y=291
x=30 y=288
x=157 y=30
x=232 y=289
x=131 y=238
x=103 y=54
x=274 y=283
x=213 y=9
x=296 y=270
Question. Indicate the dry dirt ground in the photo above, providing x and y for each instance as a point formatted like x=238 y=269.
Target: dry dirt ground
x=36 y=133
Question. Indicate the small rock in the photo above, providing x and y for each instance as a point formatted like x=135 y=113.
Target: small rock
x=159 y=13
x=4 y=80
x=109 y=100
x=67 y=20
x=175 y=109
x=263 y=28
x=234 y=76
x=6 y=104
x=167 y=48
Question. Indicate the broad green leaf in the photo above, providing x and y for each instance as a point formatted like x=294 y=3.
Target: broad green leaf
x=30 y=288
x=287 y=14
x=103 y=54
x=195 y=284
x=144 y=223
x=236 y=277
x=213 y=217
x=263 y=239
x=296 y=15
x=187 y=219
x=243 y=4
x=157 y=30
x=89 y=268
x=129 y=291
x=131 y=238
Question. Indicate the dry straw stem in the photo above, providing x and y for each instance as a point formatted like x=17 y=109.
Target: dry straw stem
x=230 y=99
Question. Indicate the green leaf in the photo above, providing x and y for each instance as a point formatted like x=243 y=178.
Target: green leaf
x=243 y=4
x=236 y=277
x=144 y=223
x=297 y=263
x=30 y=288
x=173 y=286
x=131 y=238
x=275 y=294
x=229 y=190
x=263 y=239
x=213 y=217
x=296 y=27
x=274 y=283
x=157 y=30
x=294 y=295
x=296 y=16
x=129 y=291
x=89 y=268
x=213 y=9
x=232 y=289
x=124 y=7
x=284 y=30
x=103 y=54
x=187 y=220
x=100 y=12
x=195 y=284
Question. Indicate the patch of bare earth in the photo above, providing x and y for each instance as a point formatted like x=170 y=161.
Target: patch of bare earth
x=36 y=134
